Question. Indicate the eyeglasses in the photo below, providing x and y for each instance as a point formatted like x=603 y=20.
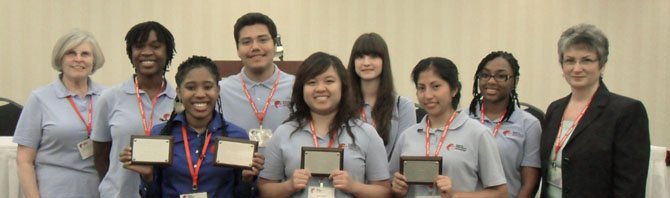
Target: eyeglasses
x=586 y=61
x=499 y=78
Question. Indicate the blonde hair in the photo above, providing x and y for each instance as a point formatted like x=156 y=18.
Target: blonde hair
x=71 y=40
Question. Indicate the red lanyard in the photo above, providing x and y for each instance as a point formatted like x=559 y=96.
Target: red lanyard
x=444 y=135
x=498 y=125
x=90 y=113
x=561 y=140
x=364 y=118
x=316 y=143
x=260 y=115
x=147 y=128
x=194 y=171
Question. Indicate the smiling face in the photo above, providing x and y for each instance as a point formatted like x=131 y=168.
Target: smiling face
x=149 y=58
x=77 y=62
x=368 y=67
x=494 y=90
x=199 y=93
x=323 y=92
x=581 y=68
x=434 y=94
x=256 y=48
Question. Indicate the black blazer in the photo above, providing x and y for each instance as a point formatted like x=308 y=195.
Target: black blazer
x=608 y=152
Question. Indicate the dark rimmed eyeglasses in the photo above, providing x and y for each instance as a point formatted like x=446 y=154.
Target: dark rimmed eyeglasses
x=499 y=77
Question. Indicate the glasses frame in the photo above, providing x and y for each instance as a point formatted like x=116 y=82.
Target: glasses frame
x=484 y=77
x=583 y=61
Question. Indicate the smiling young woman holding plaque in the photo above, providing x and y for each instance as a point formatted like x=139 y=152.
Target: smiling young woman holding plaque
x=193 y=171
x=322 y=116
x=133 y=106
x=470 y=160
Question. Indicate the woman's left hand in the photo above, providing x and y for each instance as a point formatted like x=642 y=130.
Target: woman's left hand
x=256 y=167
x=444 y=185
x=342 y=181
x=145 y=171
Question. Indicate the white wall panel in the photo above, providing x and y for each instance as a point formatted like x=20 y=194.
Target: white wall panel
x=463 y=31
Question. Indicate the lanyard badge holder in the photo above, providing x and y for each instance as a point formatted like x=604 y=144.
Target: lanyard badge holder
x=194 y=169
x=85 y=147
x=261 y=135
x=555 y=174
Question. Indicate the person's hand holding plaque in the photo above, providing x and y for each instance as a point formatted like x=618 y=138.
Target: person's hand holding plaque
x=299 y=179
x=146 y=171
x=342 y=181
x=444 y=185
x=399 y=184
x=256 y=167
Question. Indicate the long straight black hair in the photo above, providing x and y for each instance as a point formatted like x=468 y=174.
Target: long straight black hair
x=313 y=66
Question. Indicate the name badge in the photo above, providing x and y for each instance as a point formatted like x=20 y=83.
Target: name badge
x=262 y=136
x=555 y=176
x=320 y=192
x=85 y=149
x=194 y=195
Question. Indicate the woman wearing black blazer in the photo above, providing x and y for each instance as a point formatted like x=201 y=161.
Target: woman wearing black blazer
x=595 y=143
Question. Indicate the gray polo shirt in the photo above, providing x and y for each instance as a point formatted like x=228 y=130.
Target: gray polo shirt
x=237 y=109
x=469 y=155
x=518 y=141
x=117 y=116
x=364 y=161
x=50 y=125
x=404 y=116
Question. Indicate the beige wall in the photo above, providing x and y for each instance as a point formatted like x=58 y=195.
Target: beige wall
x=464 y=31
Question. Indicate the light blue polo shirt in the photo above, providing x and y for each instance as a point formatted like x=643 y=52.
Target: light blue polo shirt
x=404 y=116
x=237 y=109
x=364 y=161
x=50 y=125
x=117 y=117
x=518 y=141
x=469 y=155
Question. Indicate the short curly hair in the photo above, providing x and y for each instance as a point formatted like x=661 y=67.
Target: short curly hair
x=586 y=35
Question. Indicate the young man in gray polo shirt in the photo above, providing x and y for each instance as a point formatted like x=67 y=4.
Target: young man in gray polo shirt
x=257 y=98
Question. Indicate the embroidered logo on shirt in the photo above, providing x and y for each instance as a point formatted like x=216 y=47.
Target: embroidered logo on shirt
x=165 y=117
x=506 y=133
x=349 y=146
x=450 y=147
x=460 y=147
x=212 y=148
x=456 y=147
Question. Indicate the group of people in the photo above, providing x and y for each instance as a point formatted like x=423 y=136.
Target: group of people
x=73 y=135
